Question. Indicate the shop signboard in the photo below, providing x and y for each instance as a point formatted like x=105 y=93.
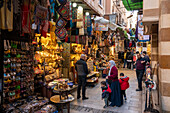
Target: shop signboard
x=141 y=36
x=112 y=18
x=100 y=27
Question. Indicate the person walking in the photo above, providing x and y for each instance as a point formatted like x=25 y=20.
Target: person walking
x=140 y=69
x=82 y=71
x=115 y=97
x=129 y=59
x=146 y=57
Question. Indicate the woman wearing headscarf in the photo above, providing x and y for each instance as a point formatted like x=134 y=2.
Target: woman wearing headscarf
x=115 y=97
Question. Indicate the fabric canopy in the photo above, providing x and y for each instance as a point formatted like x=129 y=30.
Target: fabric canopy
x=131 y=5
x=104 y=21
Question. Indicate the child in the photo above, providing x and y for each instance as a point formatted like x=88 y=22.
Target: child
x=124 y=84
x=105 y=92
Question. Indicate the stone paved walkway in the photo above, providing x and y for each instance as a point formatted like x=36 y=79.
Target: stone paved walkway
x=95 y=105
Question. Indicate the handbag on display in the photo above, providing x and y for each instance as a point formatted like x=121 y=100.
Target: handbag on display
x=64 y=12
x=41 y=12
x=60 y=24
x=62 y=2
x=62 y=34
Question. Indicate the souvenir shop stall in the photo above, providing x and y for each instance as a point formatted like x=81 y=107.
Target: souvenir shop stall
x=31 y=40
x=125 y=40
x=82 y=40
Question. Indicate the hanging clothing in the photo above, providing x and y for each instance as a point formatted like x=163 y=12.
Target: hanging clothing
x=133 y=44
x=89 y=25
x=52 y=6
x=45 y=28
x=85 y=25
x=130 y=44
x=6 y=14
x=17 y=16
x=26 y=28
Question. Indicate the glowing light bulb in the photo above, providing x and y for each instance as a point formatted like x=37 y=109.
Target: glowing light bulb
x=87 y=13
x=74 y=4
x=80 y=8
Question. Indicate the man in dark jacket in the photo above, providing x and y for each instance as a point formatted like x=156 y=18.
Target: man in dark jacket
x=140 y=69
x=129 y=59
x=82 y=71
x=146 y=57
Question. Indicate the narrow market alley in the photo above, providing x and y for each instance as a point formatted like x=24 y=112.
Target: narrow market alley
x=95 y=104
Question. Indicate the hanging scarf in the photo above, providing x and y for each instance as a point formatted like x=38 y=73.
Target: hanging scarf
x=112 y=64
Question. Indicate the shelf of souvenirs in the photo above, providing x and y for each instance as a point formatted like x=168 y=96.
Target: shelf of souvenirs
x=76 y=48
x=48 y=43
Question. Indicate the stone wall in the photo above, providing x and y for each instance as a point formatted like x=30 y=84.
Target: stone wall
x=164 y=54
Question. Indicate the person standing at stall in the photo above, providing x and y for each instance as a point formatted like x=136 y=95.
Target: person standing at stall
x=140 y=69
x=115 y=98
x=125 y=59
x=82 y=72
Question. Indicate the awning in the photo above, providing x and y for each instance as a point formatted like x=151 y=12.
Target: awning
x=103 y=21
x=113 y=26
x=131 y=5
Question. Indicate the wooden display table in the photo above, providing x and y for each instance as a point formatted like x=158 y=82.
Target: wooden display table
x=61 y=103
x=64 y=92
x=92 y=80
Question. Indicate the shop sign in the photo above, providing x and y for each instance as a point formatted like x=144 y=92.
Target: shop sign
x=141 y=36
x=100 y=27
x=112 y=18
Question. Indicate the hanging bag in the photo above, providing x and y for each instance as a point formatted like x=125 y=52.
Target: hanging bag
x=41 y=12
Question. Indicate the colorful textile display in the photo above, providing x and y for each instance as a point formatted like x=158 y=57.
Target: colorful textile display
x=74 y=17
x=64 y=12
x=60 y=24
x=52 y=6
x=85 y=25
x=81 y=31
x=80 y=23
x=77 y=39
x=89 y=25
x=26 y=27
x=62 y=34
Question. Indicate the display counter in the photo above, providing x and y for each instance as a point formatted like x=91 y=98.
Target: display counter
x=92 y=78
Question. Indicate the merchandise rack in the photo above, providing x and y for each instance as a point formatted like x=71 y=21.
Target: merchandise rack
x=11 y=36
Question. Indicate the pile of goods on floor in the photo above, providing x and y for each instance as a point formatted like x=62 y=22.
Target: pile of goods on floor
x=32 y=104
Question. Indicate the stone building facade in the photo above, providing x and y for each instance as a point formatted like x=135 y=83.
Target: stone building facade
x=157 y=23
x=116 y=7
